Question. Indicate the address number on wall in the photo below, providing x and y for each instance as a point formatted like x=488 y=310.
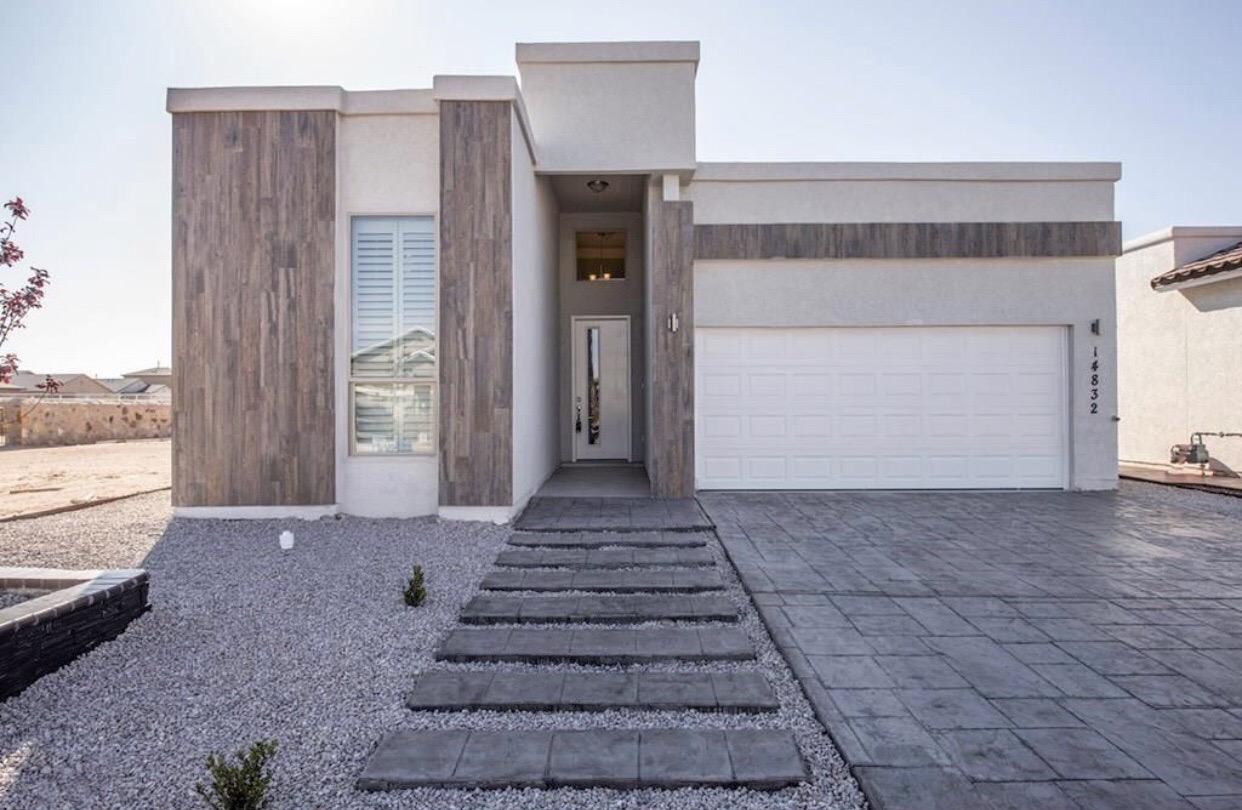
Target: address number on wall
x=1094 y=401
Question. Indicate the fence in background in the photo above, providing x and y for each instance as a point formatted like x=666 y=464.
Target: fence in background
x=60 y=420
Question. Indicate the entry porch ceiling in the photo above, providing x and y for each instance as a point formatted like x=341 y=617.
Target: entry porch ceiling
x=623 y=193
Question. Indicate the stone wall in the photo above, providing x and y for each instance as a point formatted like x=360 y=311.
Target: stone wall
x=34 y=423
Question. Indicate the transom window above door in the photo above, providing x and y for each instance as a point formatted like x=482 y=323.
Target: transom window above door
x=601 y=255
x=392 y=359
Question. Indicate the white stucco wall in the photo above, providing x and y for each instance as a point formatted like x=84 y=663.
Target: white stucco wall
x=859 y=192
x=535 y=334
x=617 y=297
x=386 y=165
x=611 y=107
x=943 y=292
x=1180 y=354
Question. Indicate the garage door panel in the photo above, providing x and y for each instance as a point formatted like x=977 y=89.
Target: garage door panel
x=911 y=407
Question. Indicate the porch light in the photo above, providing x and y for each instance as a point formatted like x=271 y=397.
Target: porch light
x=598 y=185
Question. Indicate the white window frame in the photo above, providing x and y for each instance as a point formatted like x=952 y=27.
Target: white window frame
x=432 y=382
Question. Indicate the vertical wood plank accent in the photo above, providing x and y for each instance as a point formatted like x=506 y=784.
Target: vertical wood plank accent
x=906 y=240
x=476 y=304
x=670 y=456
x=254 y=207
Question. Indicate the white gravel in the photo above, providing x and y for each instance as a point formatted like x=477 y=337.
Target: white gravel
x=311 y=647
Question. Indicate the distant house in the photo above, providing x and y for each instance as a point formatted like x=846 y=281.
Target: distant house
x=156 y=375
x=28 y=382
x=124 y=385
x=1179 y=333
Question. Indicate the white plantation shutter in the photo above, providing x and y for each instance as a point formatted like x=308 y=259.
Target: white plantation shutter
x=417 y=298
x=374 y=314
x=393 y=340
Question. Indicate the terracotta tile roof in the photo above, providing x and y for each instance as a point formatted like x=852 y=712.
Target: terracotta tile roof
x=1222 y=261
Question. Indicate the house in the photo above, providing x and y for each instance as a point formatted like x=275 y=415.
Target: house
x=124 y=385
x=28 y=382
x=156 y=375
x=1179 y=321
x=423 y=301
x=149 y=381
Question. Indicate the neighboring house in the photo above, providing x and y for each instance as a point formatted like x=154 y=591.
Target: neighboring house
x=1179 y=310
x=124 y=385
x=157 y=375
x=416 y=301
x=28 y=382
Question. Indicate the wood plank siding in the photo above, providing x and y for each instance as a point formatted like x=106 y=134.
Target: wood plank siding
x=476 y=304
x=670 y=454
x=254 y=207
x=906 y=240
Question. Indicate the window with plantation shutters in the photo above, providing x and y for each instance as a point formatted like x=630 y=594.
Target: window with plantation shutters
x=393 y=334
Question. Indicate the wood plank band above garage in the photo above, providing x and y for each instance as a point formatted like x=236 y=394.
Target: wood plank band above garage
x=906 y=240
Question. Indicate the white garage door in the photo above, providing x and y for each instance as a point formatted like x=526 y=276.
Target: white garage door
x=883 y=408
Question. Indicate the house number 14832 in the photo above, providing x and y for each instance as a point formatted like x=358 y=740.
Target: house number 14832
x=1095 y=379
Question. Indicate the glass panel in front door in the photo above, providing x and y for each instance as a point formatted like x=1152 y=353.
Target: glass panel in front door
x=592 y=370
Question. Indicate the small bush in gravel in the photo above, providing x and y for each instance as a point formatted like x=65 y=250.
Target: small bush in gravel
x=242 y=786
x=415 y=593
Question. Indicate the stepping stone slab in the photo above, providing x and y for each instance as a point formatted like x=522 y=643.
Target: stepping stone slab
x=764 y=759
x=455 y=690
x=673 y=580
x=616 y=514
x=590 y=540
x=604 y=609
x=596 y=645
x=605 y=557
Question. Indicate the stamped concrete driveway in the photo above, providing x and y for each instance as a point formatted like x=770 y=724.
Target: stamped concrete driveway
x=1010 y=650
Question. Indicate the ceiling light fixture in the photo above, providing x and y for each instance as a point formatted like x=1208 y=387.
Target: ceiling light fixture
x=597 y=185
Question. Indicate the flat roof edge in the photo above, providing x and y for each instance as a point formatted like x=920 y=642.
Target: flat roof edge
x=1181 y=232
x=310 y=97
x=651 y=51
x=1000 y=171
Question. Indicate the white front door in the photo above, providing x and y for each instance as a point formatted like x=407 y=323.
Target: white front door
x=601 y=372
x=948 y=407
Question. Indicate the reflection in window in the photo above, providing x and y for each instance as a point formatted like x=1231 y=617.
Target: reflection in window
x=392 y=418
x=593 y=385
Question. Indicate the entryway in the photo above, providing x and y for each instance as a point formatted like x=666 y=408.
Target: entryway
x=597 y=480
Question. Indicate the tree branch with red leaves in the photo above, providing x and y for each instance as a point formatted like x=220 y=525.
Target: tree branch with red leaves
x=17 y=303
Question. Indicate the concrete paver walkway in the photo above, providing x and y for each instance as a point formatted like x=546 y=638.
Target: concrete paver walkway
x=1009 y=650
x=594 y=579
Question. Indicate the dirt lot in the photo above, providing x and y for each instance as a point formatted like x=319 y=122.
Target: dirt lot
x=38 y=479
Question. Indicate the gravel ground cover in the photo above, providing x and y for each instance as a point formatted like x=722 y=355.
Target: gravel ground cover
x=115 y=535
x=11 y=598
x=312 y=648
x=1227 y=505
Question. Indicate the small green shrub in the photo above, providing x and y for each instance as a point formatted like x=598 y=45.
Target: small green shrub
x=242 y=786
x=415 y=593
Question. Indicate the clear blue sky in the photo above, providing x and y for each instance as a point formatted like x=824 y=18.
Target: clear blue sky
x=84 y=137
